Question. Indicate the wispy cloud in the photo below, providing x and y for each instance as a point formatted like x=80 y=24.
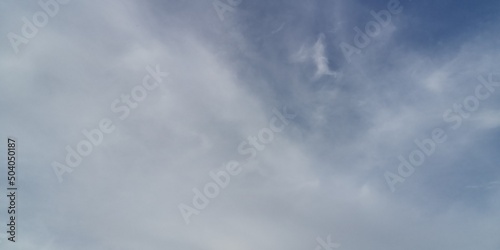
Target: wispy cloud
x=322 y=176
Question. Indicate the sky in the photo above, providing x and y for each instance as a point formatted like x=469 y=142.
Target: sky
x=237 y=124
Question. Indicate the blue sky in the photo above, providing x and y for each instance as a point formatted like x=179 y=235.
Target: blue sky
x=220 y=81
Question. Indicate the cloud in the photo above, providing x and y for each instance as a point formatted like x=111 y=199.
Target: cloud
x=316 y=55
x=323 y=175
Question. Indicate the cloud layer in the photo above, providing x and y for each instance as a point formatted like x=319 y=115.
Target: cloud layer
x=323 y=175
